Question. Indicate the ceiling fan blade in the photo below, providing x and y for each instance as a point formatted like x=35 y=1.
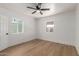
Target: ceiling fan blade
x=33 y=12
x=45 y=9
x=31 y=8
x=41 y=13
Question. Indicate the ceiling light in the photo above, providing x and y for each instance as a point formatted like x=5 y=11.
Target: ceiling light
x=50 y=25
x=38 y=11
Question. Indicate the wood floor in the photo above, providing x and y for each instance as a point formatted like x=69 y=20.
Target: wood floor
x=40 y=48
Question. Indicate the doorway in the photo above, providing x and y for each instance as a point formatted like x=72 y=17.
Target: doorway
x=3 y=32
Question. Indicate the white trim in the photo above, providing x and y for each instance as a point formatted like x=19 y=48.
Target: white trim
x=17 y=26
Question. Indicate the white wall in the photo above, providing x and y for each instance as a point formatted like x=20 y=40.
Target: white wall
x=77 y=29
x=64 y=30
x=29 y=32
x=29 y=27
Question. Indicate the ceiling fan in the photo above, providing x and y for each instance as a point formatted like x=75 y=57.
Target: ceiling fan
x=38 y=8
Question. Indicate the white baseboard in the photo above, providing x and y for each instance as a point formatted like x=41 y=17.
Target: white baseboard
x=57 y=42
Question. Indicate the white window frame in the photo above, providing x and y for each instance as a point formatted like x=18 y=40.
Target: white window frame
x=17 y=27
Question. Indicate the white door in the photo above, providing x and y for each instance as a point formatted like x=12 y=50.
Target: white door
x=3 y=32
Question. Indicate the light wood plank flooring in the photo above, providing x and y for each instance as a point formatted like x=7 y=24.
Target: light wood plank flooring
x=39 y=47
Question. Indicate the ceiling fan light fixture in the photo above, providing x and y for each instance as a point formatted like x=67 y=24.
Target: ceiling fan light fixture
x=38 y=11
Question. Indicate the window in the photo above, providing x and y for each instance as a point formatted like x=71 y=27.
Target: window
x=17 y=26
x=49 y=26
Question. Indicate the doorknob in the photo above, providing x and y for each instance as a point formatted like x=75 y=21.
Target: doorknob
x=6 y=33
